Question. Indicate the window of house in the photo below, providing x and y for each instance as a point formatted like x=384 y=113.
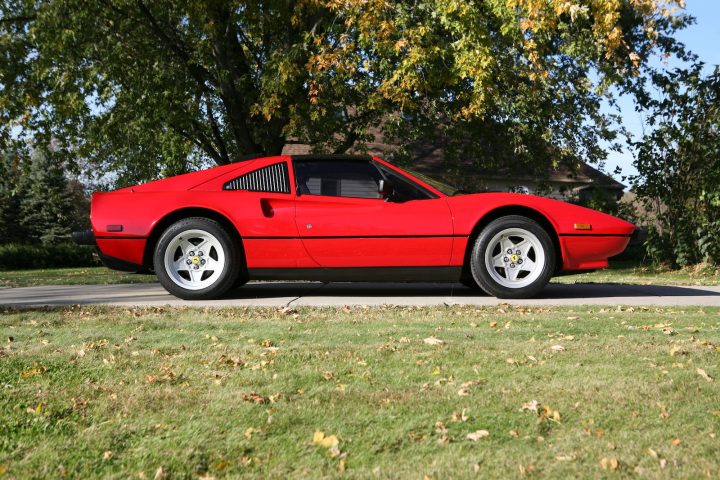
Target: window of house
x=273 y=178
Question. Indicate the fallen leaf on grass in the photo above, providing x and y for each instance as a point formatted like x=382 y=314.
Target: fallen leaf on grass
x=610 y=463
x=532 y=405
x=255 y=398
x=37 y=370
x=704 y=374
x=565 y=457
x=107 y=455
x=669 y=331
x=676 y=442
x=329 y=441
x=548 y=413
x=678 y=350
x=475 y=436
x=557 y=348
x=433 y=341
x=159 y=473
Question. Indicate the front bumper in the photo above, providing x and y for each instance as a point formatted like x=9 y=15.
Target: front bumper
x=638 y=237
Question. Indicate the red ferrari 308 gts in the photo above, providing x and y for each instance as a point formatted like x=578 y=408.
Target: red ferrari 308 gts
x=342 y=218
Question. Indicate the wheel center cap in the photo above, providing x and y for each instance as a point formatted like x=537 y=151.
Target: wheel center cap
x=196 y=260
x=514 y=258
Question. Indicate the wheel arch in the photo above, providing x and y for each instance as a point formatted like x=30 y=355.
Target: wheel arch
x=188 y=212
x=519 y=210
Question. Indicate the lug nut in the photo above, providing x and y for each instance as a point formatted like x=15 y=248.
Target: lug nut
x=518 y=252
x=191 y=253
x=200 y=254
x=188 y=261
x=506 y=259
x=202 y=262
x=196 y=267
x=509 y=251
x=512 y=265
x=519 y=261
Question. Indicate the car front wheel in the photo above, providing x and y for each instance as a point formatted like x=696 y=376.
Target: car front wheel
x=513 y=257
x=196 y=259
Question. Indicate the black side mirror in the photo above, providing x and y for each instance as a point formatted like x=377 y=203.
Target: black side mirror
x=385 y=189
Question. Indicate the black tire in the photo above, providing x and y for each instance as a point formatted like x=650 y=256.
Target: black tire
x=232 y=270
x=488 y=281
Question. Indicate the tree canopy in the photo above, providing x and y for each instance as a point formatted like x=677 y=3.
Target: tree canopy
x=144 y=88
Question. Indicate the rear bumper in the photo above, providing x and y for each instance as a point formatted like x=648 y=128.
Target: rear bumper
x=121 y=265
x=84 y=237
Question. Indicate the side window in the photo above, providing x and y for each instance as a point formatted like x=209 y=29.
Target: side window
x=337 y=178
x=404 y=190
x=273 y=178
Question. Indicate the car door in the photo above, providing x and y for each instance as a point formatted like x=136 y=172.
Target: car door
x=343 y=221
x=261 y=203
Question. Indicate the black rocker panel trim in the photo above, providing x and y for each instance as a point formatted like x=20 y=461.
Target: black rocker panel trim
x=595 y=234
x=346 y=237
x=360 y=274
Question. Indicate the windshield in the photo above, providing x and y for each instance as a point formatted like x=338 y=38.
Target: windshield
x=443 y=187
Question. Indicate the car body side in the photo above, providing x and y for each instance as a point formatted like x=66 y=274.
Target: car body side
x=127 y=222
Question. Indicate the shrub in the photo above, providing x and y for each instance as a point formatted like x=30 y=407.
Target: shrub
x=15 y=256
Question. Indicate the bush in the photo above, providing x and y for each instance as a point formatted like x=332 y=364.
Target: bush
x=15 y=256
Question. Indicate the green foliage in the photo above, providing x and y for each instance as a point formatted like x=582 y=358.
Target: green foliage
x=23 y=256
x=38 y=204
x=46 y=208
x=679 y=168
x=147 y=89
x=10 y=230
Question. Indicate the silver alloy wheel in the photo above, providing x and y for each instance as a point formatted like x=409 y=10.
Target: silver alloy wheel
x=194 y=259
x=514 y=258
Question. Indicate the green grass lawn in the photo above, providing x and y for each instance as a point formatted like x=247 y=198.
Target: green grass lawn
x=396 y=392
x=629 y=273
x=619 y=272
x=69 y=276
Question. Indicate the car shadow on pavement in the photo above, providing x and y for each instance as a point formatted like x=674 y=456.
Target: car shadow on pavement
x=360 y=289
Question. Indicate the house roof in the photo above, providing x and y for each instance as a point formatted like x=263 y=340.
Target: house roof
x=428 y=158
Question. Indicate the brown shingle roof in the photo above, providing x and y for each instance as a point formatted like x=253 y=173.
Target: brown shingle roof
x=429 y=158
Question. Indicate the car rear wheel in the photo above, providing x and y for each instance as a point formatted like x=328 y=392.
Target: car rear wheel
x=513 y=257
x=196 y=259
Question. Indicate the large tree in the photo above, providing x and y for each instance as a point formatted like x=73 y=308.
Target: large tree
x=146 y=88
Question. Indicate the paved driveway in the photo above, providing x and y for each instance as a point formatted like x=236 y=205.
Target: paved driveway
x=280 y=294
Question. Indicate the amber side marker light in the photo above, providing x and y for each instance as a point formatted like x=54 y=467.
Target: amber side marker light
x=583 y=226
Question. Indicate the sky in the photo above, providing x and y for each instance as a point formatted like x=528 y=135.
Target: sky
x=702 y=38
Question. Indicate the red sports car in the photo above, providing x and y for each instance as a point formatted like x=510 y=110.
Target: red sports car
x=342 y=218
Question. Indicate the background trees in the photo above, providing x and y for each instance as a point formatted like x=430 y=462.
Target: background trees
x=155 y=88
x=679 y=166
x=130 y=90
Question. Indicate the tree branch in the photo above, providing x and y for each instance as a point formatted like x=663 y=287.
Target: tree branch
x=171 y=40
x=216 y=132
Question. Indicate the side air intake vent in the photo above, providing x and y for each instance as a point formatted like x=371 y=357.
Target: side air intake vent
x=273 y=178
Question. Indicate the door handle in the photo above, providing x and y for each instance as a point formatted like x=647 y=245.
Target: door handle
x=266 y=208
